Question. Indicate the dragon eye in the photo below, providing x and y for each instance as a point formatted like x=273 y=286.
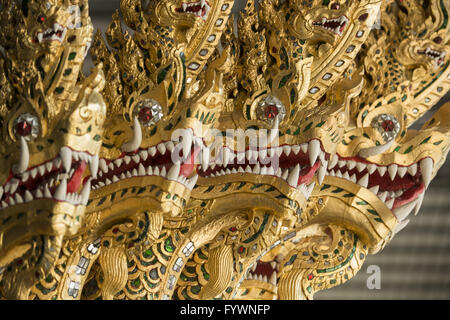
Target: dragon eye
x=335 y=6
x=387 y=125
x=27 y=126
x=438 y=40
x=149 y=112
x=41 y=19
x=269 y=108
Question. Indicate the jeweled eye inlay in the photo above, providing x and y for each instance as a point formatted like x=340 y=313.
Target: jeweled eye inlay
x=387 y=125
x=27 y=126
x=149 y=112
x=269 y=108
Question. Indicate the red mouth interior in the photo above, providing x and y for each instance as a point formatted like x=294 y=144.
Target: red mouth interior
x=192 y=9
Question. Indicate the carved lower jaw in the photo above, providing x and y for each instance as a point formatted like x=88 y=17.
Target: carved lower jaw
x=397 y=186
x=437 y=56
x=58 y=179
x=152 y=161
x=200 y=9
x=297 y=164
x=336 y=26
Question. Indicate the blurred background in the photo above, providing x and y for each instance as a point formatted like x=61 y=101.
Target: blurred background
x=416 y=264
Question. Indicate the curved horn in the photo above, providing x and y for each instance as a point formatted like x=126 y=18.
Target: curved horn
x=136 y=141
x=373 y=151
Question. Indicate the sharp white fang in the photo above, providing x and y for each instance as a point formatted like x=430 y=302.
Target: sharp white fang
x=141 y=170
x=403 y=212
x=28 y=196
x=334 y=161
x=401 y=226
x=383 y=196
x=419 y=203
x=161 y=148
x=390 y=203
x=136 y=140
x=374 y=189
x=66 y=157
x=187 y=143
x=412 y=170
x=61 y=191
x=205 y=158
x=192 y=182
x=371 y=168
x=174 y=172
x=293 y=176
x=426 y=168
x=93 y=166
x=85 y=193
x=382 y=170
x=321 y=174
x=402 y=171
x=314 y=151
x=364 y=181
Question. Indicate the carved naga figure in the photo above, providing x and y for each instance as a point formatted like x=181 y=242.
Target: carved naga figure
x=51 y=129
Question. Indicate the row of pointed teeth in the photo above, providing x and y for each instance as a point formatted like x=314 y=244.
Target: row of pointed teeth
x=394 y=170
x=173 y=174
x=434 y=54
x=44 y=192
x=313 y=149
x=291 y=175
x=272 y=280
x=51 y=33
x=203 y=5
x=341 y=20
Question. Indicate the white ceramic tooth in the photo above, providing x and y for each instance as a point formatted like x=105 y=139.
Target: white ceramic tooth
x=49 y=166
x=1 y=192
x=382 y=170
x=373 y=151
x=392 y=169
x=401 y=226
x=192 y=182
x=240 y=170
x=293 y=176
x=426 y=169
x=403 y=212
x=304 y=147
x=321 y=174
x=143 y=154
x=309 y=190
x=346 y=176
x=127 y=159
x=360 y=166
x=163 y=172
x=33 y=173
x=93 y=166
x=364 y=181
x=241 y=157
x=353 y=178
x=66 y=157
x=412 y=170
x=383 y=196
x=398 y=193
x=371 y=168
x=174 y=172
x=115 y=178
x=296 y=149
x=39 y=194
x=28 y=196
x=122 y=176
x=170 y=146
x=11 y=201
x=314 y=151
x=18 y=198
x=264 y=170
x=419 y=203
x=279 y=172
x=287 y=150
x=338 y=174
x=47 y=192
x=270 y=171
x=273 y=264
x=24 y=157
x=401 y=171
x=390 y=203
x=351 y=164
x=118 y=162
x=333 y=162
x=187 y=143
x=141 y=170
x=256 y=168
x=103 y=166
x=285 y=174
x=149 y=171
x=332 y=173
x=107 y=181
x=375 y=189
x=205 y=158
x=136 y=140
x=248 y=169
x=152 y=151
x=61 y=191
x=273 y=279
x=161 y=148
x=136 y=158
x=85 y=192
x=342 y=163
x=14 y=183
x=41 y=170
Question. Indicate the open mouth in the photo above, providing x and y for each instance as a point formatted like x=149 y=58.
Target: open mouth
x=153 y=161
x=402 y=185
x=263 y=271
x=337 y=26
x=57 y=33
x=297 y=164
x=59 y=179
x=437 y=56
x=200 y=9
